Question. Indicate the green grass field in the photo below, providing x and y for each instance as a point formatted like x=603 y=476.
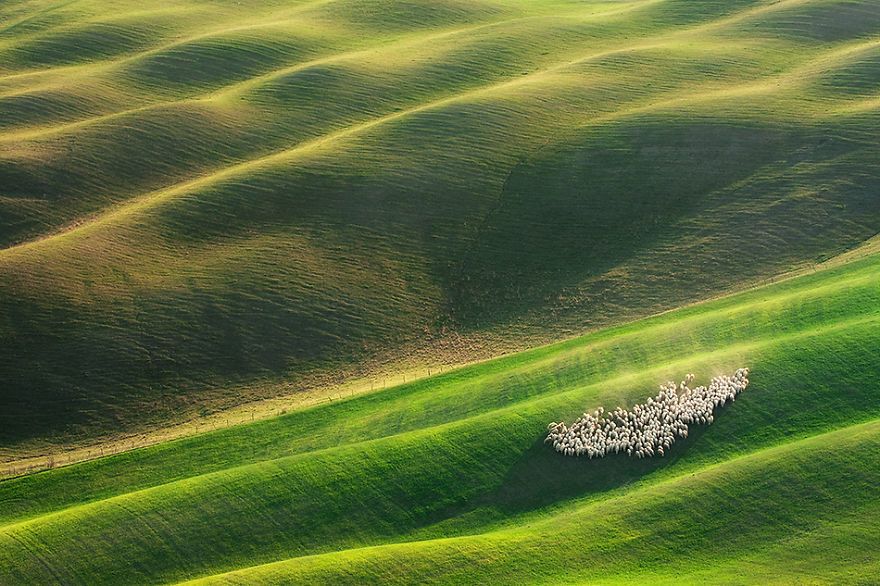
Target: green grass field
x=448 y=480
x=207 y=205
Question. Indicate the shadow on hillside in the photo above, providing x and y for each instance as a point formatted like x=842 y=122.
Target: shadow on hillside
x=542 y=477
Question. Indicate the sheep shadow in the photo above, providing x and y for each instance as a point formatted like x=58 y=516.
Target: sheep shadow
x=543 y=477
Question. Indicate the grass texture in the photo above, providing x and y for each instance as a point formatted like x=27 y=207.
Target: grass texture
x=448 y=480
x=201 y=197
x=203 y=203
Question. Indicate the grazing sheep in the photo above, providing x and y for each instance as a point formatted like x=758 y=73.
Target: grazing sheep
x=649 y=428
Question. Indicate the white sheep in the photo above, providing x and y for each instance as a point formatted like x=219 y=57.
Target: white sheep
x=649 y=428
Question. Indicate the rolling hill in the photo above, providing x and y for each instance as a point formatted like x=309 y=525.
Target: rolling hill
x=206 y=206
x=447 y=479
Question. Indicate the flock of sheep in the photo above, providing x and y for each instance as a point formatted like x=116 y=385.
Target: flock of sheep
x=649 y=428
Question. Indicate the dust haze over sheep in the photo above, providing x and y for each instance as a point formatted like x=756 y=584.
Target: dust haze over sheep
x=649 y=428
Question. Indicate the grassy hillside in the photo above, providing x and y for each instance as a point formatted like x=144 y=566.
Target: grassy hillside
x=448 y=480
x=200 y=198
x=204 y=204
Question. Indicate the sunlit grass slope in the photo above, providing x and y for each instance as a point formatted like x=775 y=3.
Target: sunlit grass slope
x=447 y=479
x=197 y=198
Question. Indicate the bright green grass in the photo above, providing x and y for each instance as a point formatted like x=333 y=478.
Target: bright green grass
x=199 y=198
x=737 y=515
x=448 y=480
